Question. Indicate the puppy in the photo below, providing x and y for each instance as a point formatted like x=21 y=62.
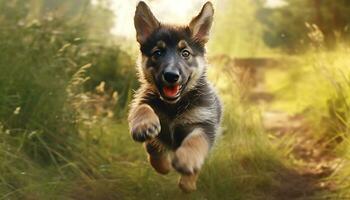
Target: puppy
x=176 y=113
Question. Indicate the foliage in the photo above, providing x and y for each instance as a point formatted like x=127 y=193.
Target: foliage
x=40 y=127
x=285 y=25
x=235 y=35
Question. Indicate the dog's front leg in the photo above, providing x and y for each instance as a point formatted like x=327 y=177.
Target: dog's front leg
x=189 y=158
x=143 y=123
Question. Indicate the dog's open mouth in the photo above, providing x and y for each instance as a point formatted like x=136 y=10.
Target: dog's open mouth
x=172 y=92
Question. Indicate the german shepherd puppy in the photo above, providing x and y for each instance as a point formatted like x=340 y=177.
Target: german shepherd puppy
x=175 y=112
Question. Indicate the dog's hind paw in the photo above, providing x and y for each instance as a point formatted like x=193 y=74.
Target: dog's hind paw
x=186 y=161
x=187 y=183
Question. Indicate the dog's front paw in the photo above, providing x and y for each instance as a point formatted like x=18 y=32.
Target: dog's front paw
x=187 y=161
x=144 y=124
x=145 y=129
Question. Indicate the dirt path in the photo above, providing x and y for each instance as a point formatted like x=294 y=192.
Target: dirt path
x=311 y=160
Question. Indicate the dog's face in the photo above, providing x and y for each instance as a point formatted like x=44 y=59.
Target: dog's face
x=172 y=57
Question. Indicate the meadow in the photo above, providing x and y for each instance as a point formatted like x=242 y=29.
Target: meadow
x=65 y=86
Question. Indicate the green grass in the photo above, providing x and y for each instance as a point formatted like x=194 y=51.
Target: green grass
x=241 y=166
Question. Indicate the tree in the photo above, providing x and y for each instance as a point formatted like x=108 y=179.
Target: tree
x=285 y=26
x=96 y=18
x=236 y=31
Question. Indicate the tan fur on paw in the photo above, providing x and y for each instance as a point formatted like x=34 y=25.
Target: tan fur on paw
x=186 y=161
x=160 y=163
x=144 y=123
x=187 y=183
x=189 y=157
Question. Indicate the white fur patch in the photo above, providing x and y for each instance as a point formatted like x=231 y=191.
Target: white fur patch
x=196 y=115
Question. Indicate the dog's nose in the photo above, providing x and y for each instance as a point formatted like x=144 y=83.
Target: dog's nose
x=171 y=76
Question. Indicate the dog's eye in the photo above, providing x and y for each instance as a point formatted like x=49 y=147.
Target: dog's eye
x=185 y=54
x=157 y=54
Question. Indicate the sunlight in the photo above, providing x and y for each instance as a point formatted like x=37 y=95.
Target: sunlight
x=169 y=11
x=275 y=3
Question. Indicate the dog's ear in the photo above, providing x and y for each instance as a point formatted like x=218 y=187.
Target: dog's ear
x=144 y=21
x=200 y=25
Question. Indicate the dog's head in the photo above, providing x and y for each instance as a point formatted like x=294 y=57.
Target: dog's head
x=172 y=56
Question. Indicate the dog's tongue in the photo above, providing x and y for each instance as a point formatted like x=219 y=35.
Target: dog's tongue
x=171 y=91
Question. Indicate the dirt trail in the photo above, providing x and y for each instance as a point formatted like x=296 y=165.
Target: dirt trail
x=312 y=160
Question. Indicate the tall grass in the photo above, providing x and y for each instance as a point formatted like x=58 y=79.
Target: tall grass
x=41 y=146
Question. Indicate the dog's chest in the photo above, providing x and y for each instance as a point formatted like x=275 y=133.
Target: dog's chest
x=174 y=128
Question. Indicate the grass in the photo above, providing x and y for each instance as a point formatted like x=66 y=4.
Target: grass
x=114 y=166
x=341 y=175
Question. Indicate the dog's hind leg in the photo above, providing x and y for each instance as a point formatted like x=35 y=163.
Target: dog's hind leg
x=188 y=183
x=158 y=157
x=189 y=158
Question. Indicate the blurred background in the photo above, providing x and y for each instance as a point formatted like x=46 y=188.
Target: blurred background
x=67 y=75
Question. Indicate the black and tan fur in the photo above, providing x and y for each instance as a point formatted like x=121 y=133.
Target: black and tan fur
x=178 y=132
